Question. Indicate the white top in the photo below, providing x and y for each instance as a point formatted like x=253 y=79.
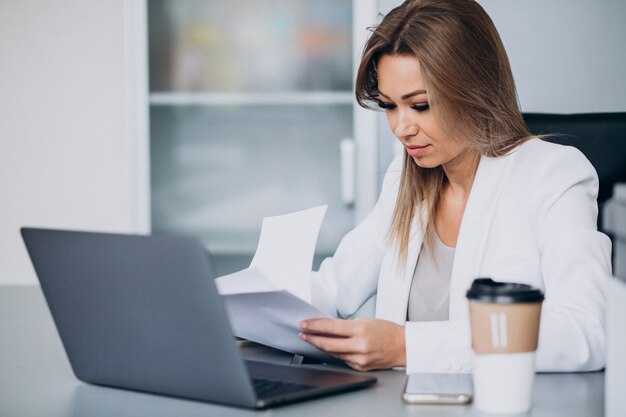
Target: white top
x=429 y=297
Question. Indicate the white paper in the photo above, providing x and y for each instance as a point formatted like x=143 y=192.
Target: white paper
x=273 y=319
x=249 y=280
x=267 y=301
x=286 y=248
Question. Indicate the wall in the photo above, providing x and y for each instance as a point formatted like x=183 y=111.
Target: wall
x=568 y=56
x=66 y=149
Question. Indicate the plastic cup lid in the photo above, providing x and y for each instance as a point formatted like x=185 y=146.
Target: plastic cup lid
x=487 y=290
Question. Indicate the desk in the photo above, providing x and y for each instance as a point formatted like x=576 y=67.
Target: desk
x=36 y=380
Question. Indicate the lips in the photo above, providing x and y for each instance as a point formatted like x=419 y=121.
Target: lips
x=416 y=150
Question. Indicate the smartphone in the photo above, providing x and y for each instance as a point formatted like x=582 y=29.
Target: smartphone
x=438 y=389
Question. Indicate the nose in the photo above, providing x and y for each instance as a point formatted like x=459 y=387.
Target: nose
x=404 y=126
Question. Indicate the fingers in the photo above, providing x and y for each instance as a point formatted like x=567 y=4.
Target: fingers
x=332 y=345
x=331 y=327
x=364 y=344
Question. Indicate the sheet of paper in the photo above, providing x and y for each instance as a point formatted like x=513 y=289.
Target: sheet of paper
x=267 y=301
x=286 y=248
x=249 y=280
x=273 y=319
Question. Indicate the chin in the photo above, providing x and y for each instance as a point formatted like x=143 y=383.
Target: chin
x=425 y=162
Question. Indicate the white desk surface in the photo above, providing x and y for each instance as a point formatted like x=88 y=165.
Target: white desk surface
x=36 y=380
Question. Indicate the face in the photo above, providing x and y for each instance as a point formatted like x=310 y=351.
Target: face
x=403 y=95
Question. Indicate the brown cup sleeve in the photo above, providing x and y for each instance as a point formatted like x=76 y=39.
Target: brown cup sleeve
x=504 y=328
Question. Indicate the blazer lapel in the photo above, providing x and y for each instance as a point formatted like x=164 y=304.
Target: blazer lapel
x=395 y=280
x=475 y=229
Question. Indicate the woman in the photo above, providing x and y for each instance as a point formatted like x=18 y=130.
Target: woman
x=474 y=195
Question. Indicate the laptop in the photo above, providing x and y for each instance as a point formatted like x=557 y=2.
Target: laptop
x=143 y=313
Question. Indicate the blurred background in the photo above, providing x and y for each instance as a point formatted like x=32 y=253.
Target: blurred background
x=202 y=117
x=249 y=102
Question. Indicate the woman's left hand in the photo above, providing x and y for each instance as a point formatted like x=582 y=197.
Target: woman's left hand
x=364 y=343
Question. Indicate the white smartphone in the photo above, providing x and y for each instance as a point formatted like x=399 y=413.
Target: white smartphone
x=438 y=389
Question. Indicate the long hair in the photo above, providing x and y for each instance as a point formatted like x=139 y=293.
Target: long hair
x=470 y=88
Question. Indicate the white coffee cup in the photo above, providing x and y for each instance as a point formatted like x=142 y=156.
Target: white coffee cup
x=504 y=321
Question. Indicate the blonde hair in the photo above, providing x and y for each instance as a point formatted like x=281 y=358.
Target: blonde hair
x=470 y=87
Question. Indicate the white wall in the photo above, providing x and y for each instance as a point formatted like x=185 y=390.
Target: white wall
x=568 y=56
x=67 y=124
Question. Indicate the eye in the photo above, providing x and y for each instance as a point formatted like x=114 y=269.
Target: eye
x=385 y=105
x=420 y=107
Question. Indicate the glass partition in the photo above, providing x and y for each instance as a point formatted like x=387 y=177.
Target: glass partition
x=249 y=102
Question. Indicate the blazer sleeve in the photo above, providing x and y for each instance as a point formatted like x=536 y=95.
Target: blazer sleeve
x=575 y=263
x=347 y=280
x=438 y=347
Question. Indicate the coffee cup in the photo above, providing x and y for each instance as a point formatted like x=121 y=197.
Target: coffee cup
x=504 y=320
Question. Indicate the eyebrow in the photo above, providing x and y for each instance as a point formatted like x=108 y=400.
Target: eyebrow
x=404 y=97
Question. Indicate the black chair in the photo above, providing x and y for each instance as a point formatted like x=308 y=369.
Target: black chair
x=600 y=136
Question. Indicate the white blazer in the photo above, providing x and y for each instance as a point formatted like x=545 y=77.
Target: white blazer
x=530 y=218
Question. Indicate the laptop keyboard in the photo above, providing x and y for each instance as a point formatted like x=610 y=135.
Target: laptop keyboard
x=270 y=388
